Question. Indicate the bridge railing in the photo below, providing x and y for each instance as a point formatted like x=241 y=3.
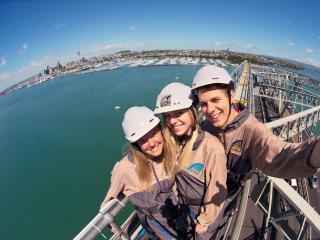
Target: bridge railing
x=297 y=207
x=244 y=85
x=301 y=209
x=286 y=91
x=295 y=124
x=105 y=217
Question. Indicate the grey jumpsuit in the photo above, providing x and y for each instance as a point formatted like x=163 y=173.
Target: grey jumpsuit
x=202 y=183
x=156 y=209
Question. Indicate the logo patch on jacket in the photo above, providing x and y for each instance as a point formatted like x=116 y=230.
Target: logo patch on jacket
x=236 y=147
x=196 y=167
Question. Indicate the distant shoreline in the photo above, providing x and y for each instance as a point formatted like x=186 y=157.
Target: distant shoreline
x=148 y=58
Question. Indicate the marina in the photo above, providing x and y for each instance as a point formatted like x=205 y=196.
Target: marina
x=156 y=58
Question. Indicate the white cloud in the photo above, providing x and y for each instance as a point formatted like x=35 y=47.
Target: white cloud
x=242 y=47
x=3 y=61
x=4 y=76
x=283 y=51
x=23 y=48
x=110 y=48
x=99 y=48
x=309 y=50
x=33 y=67
x=134 y=27
x=308 y=60
x=233 y=46
x=247 y=46
x=319 y=37
x=140 y=45
x=60 y=25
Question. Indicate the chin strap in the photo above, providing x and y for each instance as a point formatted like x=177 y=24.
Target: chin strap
x=229 y=97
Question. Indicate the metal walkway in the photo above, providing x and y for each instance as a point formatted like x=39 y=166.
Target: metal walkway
x=282 y=97
x=285 y=212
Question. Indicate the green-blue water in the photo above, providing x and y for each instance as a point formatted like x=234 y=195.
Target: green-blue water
x=59 y=142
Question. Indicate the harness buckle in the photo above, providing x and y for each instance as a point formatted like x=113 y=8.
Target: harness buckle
x=236 y=177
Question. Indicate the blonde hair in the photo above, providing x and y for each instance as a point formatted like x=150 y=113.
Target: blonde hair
x=144 y=164
x=181 y=148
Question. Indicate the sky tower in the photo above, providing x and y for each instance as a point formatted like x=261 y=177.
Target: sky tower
x=78 y=54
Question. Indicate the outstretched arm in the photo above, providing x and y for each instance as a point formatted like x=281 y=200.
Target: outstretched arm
x=116 y=186
x=277 y=158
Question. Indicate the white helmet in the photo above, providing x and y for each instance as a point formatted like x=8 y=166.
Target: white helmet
x=211 y=74
x=174 y=96
x=137 y=122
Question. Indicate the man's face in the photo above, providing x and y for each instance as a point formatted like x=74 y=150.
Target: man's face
x=215 y=105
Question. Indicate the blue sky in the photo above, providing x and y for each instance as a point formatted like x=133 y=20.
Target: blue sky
x=35 y=34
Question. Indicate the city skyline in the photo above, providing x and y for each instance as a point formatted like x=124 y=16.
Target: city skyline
x=37 y=34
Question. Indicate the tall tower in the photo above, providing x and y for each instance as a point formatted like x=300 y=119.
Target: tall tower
x=78 y=55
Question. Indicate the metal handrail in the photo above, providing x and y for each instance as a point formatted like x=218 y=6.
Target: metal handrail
x=299 y=203
x=242 y=210
x=312 y=216
x=297 y=116
x=104 y=218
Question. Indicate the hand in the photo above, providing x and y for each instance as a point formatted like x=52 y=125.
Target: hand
x=102 y=204
x=112 y=229
x=314 y=160
x=200 y=229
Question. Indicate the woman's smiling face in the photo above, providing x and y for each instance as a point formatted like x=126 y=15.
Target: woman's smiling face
x=152 y=143
x=179 y=121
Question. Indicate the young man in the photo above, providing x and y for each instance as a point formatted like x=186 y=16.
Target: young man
x=247 y=142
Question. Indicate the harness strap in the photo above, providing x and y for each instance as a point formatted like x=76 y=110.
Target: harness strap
x=148 y=213
x=193 y=201
x=234 y=182
x=236 y=177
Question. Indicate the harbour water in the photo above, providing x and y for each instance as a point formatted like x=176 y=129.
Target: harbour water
x=59 y=142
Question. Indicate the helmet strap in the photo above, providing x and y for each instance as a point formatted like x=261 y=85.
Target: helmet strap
x=230 y=103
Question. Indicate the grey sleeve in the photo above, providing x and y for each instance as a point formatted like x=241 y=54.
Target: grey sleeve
x=277 y=158
x=116 y=186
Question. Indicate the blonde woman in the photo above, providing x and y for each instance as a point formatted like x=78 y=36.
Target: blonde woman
x=200 y=160
x=145 y=174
